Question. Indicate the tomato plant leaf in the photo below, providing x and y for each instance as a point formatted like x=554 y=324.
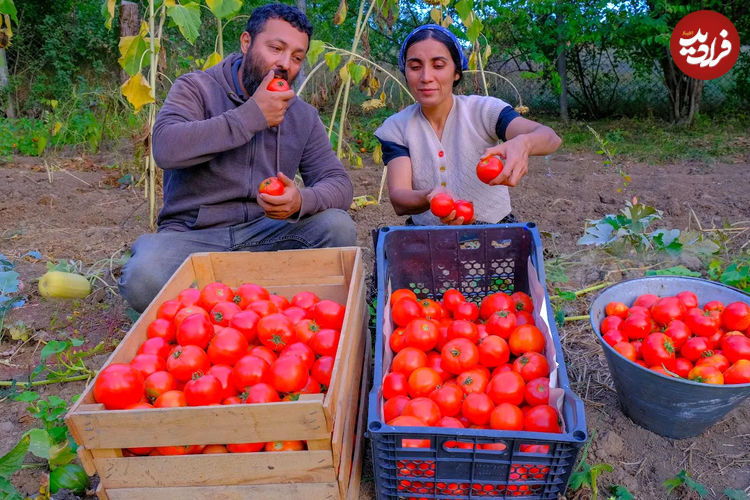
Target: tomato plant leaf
x=224 y=8
x=187 y=17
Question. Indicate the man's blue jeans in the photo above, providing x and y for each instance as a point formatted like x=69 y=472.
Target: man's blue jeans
x=156 y=256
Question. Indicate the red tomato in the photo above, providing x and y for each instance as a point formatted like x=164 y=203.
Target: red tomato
x=408 y=360
x=183 y=361
x=323 y=369
x=636 y=326
x=717 y=360
x=306 y=300
x=626 y=349
x=118 y=386
x=406 y=421
x=302 y=351
x=325 y=342
x=522 y=301
x=735 y=347
x=452 y=298
x=288 y=374
x=248 y=371
x=223 y=374
x=186 y=312
x=279 y=301
x=646 y=300
x=435 y=361
x=222 y=312
x=161 y=328
x=610 y=323
x=295 y=314
x=468 y=311
x=271 y=186
x=542 y=418
x=489 y=168
x=171 y=399
x=405 y=310
x=678 y=332
x=464 y=209
x=423 y=381
x=459 y=355
x=397 y=340
x=449 y=399
x=203 y=390
x=714 y=305
x=278 y=85
x=262 y=393
x=506 y=387
x=247 y=293
x=501 y=323
x=495 y=302
x=441 y=204
x=536 y=392
x=682 y=367
x=736 y=316
x=493 y=351
x=450 y=422
x=658 y=350
x=695 y=348
x=424 y=409
x=305 y=329
x=431 y=309
x=465 y=329
x=477 y=407
x=275 y=331
x=667 y=309
x=155 y=345
x=227 y=347
x=402 y=293
x=168 y=309
x=273 y=446
x=421 y=334
x=706 y=374
x=526 y=338
x=245 y=447
x=189 y=296
x=213 y=449
x=263 y=353
x=688 y=299
x=506 y=417
x=213 y=293
x=263 y=307
x=328 y=314
x=613 y=337
x=158 y=383
x=245 y=322
x=531 y=365
x=738 y=373
x=395 y=384
x=195 y=330
x=615 y=308
x=146 y=364
x=179 y=450
x=703 y=323
x=473 y=380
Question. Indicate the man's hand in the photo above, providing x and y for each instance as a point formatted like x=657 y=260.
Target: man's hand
x=285 y=205
x=272 y=104
x=515 y=155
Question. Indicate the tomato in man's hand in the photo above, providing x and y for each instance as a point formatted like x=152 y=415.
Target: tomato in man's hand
x=489 y=168
x=272 y=186
x=441 y=204
x=464 y=209
x=278 y=85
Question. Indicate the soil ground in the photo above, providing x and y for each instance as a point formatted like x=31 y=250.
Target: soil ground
x=74 y=208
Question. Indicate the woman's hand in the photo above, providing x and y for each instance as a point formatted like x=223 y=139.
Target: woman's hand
x=515 y=155
x=451 y=218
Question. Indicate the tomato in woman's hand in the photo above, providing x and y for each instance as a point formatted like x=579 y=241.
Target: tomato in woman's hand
x=278 y=85
x=271 y=186
x=489 y=168
x=118 y=386
x=441 y=205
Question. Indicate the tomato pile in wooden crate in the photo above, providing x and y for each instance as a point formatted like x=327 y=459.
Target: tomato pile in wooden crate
x=240 y=353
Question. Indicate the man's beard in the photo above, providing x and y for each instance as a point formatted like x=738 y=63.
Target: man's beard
x=253 y=73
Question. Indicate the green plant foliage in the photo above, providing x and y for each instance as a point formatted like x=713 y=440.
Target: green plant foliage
x=682 y=478
x=673 y=271
x=736 y=273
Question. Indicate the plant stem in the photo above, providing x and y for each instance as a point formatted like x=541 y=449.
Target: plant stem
x=39 y=465
x=583 y=291
x=575 y=318
x=8 y=383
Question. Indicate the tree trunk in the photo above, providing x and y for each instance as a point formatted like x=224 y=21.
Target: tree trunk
x=10 y=110
x=130 y=24
x=302 y=6
x=684 y=92
x=562 y=70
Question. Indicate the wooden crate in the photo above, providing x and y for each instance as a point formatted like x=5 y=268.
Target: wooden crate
x=329 y=468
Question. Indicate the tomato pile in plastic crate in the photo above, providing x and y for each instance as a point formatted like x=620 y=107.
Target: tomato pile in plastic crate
x=468 y=462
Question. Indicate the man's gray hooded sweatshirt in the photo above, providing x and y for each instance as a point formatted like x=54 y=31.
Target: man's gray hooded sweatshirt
x=216 y=148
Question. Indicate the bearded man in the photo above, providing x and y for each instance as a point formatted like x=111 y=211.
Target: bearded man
x=219 y=134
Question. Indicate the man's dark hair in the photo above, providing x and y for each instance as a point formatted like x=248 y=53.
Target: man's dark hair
x=442 y=38
x=290 y=14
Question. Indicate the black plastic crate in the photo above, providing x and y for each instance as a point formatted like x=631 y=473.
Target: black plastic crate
x=453 y=463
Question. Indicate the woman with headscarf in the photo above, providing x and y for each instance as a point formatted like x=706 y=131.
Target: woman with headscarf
x=434 y=145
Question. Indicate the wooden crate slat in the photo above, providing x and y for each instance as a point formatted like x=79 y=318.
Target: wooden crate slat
x=350 y=471
x=299 y=420
x=307 y=491
x=228 y=469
